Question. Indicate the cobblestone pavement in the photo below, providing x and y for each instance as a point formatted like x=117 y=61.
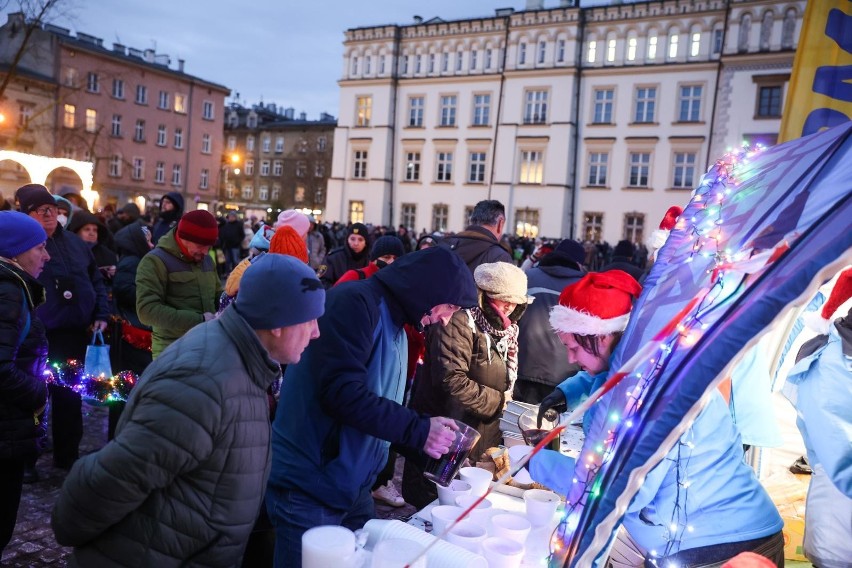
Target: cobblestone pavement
x=33 y=544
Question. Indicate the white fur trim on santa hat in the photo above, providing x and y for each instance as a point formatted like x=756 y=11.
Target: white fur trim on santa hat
x=566 y=320
x=815 y=322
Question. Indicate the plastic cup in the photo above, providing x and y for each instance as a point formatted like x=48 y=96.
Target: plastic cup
x=511 y=527
x=502 y=553
x=468 y=535
x=444 y=469
x=479 y=479
x=449 y=494
x=528 y=425
x=398 y=553
x=541 y=506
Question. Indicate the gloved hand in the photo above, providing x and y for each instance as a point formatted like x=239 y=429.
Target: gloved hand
x=555 y=401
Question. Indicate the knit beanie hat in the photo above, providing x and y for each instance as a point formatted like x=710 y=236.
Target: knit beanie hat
x=198 y=227
x=358 y=229
x=287 y=241
x=279 y=291
x=32 y=196
x=388 y=244
x=19 y=233
x=261 y=238
x=292 y=218
x=599 y=303
x=503 y=281
x=567 y=251
x=842 y=291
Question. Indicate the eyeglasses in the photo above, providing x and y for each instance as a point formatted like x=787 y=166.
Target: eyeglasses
x=45 y=209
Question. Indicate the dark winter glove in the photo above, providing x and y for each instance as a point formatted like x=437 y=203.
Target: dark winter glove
x=555 y=401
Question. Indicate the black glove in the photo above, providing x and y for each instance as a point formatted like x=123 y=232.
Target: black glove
x=555 y=401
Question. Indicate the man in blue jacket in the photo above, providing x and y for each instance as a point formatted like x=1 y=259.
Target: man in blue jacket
x=340 y=406
x=76 y=304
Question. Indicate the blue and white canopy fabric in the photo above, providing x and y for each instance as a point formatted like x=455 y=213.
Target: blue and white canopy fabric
x=762 y=231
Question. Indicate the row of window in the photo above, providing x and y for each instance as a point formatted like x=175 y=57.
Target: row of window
x=527 y=221
x=645 y=104
x=164 y=101
x=488 y=58
x=139 y=130
x=276 y=167
x=531 y=170
x=137 y=172
x=264 y=194
x=266 y=144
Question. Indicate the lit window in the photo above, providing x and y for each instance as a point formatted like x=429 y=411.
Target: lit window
x=673 y=46
x=631 y=49
x=356 y=211
x=91 y=120
x=532 y=167
x=180 y=104
x=610 y=51
x=593 y=226
x=364 y=111
x=592 y=55
x=652 y=48
x=68 y=120
x=695 y=45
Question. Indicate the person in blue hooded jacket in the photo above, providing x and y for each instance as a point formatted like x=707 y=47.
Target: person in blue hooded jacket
x=340 y=406
x=171 y=210
x=723 y=510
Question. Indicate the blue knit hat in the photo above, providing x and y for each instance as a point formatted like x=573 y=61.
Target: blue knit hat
x=278 y=290
x=19 y=233
x=388 y=244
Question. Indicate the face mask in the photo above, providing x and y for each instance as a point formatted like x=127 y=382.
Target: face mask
x=61 y=219
x=381 y=264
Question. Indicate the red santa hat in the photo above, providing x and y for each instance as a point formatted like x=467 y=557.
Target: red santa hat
x=658 y=237
x=842 y=291
x=597 y=304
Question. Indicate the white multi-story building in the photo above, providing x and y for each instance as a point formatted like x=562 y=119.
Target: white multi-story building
x=584 y=122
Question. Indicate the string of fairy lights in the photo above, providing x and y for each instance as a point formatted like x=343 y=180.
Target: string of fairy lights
x=94 y=389
x=705 y=226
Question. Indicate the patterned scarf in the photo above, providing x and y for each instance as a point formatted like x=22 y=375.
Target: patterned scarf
x=506 y=342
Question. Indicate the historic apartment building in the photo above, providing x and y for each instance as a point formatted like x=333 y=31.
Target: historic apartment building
x=275 y=161
x=587 y=122
x=148 y=127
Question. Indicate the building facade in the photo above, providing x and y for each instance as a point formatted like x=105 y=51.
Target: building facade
x=586 y=122
x=275 y=161
x=148 y=127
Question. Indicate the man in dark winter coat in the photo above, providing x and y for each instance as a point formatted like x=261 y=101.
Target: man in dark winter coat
x=542 y=364
x=171 y=210
x=231 y=235
x=123 y=217
x=76 y=303
x=352 y=255
x=341 y=408
x=182 y=482
x=479 y=243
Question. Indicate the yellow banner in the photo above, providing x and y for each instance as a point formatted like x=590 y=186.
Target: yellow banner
x=820 y=92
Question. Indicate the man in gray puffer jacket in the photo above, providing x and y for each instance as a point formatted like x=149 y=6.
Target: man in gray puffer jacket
x=183 y=480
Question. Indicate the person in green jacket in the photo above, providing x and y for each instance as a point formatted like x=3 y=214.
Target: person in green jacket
x=177 y=285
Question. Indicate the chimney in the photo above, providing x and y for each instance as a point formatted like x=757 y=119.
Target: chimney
x=500 y=12
x=118 y=48
x=303 y=116
x=289 y=113
x=418 y=19
x=535 y=4
x=180 y=65
x=148 y=55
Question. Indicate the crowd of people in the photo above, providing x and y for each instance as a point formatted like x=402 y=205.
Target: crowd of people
x=286 y=363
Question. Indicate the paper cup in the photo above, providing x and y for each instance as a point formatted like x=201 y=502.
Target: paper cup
x=443 y=516
x=481 y=514
x=479 y=479
x=329 y=545
x=540 y=506
x=468 y=535
x=510 y=526
x=398 y=553
x=502 y=553
x=448 y=495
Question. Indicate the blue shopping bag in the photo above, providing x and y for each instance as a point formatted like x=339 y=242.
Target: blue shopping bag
x=97 y=357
